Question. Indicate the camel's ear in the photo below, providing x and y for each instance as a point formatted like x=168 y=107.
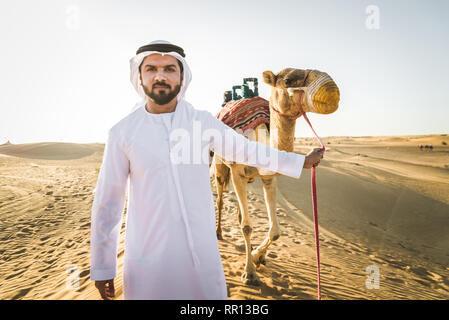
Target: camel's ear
x=269 y=78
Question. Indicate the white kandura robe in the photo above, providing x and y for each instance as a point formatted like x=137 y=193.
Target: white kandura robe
x=171 y=248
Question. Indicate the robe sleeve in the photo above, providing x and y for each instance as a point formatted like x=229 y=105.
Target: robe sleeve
x=107 y=210
x=233 y=146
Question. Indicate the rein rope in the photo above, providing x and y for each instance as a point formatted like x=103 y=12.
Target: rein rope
x=315 y=213
x=314 y=197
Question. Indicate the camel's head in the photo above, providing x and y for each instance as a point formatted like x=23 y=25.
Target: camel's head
x=319 y=94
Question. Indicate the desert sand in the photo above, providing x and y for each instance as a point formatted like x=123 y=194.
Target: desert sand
x=382 y=201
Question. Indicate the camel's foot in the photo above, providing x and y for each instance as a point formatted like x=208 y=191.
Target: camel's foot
x=250 y=278
x=258 y=258
x=219 y=235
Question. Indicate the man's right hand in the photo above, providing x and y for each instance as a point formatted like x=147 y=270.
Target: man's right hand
x=106 y=288
x=313 y=158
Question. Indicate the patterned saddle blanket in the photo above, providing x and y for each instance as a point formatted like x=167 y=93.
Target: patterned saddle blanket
x=245 y=114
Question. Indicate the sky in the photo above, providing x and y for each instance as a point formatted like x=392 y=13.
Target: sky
x=65 y=63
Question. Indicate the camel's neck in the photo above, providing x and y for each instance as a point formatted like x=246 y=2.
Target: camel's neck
x=282 y=131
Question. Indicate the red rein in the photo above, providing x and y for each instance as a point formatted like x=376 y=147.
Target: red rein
x=314 y=198
x=315 y=214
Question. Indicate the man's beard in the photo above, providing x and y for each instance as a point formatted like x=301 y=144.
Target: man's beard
x=162 y=98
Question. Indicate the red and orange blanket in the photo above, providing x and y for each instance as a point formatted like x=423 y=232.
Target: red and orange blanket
x=244 y=114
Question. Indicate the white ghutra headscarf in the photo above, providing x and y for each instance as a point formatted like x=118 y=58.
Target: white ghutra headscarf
x=136 y=61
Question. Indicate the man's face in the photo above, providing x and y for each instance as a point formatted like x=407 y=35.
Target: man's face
x=161 y=78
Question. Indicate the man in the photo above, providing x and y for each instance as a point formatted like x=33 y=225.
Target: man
x=171 y=249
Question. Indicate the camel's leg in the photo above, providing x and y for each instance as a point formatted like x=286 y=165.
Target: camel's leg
x=239 y=180
x=221 y=180
x=269 y=188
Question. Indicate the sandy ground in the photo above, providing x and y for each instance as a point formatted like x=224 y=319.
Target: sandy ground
x=382 y=202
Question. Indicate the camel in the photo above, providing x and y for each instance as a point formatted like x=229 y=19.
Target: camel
x=286 y=87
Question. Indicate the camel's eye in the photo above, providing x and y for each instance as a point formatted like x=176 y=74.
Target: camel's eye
x=291 y=82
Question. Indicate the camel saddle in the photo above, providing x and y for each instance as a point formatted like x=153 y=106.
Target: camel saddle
x=245 y=114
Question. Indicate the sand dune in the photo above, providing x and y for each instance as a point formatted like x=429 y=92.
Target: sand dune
x=50 y=150
x=382 y=201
